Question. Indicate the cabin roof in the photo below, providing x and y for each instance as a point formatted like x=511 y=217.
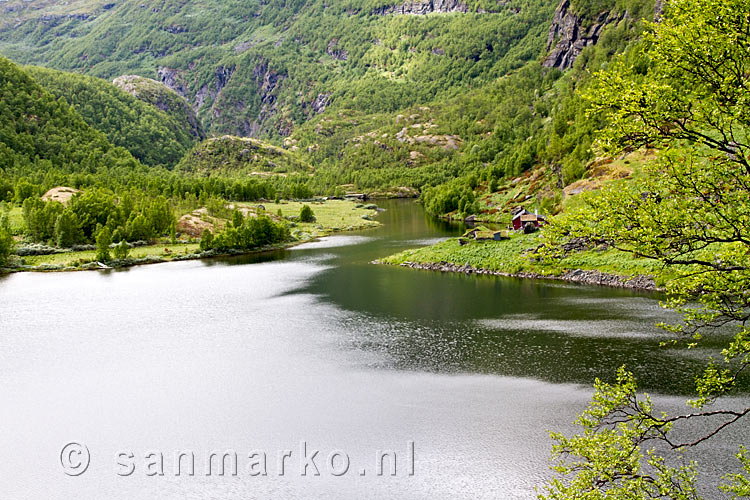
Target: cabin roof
x=486 y=235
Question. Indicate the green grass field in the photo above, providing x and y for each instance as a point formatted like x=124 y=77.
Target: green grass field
x=330 y=216
x=15 y=215
x=516 y=255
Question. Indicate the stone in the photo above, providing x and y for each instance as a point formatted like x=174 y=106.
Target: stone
x=568 y=35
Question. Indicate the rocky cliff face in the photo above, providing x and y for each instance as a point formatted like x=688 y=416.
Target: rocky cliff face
x=335 y=51
x=171 y=78
x=268 y=81
x=237 y=115
x=321 y=102
x=211 y=92
x=424 y=7
x=568 y=35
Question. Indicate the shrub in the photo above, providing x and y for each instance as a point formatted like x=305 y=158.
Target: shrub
x=306 y=214
x=103 y=240
x=121 y=250
x=6 y=246
x=37 y=249
x=207 y=240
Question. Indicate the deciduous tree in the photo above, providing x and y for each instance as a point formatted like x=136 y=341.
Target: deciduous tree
x=6 y=246
x=685 y=93
x=103 y=241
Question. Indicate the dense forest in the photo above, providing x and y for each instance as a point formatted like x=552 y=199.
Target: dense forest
x=153 y=136
x=45 y=143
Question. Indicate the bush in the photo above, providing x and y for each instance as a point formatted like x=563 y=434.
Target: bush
x=306 y=214
x=255 y=232
x=103 y=241
x=207 y=240
x=121 y=251
x=6 y=246
x=67 y=231
x=37 y=249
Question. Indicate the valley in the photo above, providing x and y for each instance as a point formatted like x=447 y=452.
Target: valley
x=428 y=221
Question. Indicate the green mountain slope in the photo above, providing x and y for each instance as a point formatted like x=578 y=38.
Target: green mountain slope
x=165 y=99
x=40 y=132
x=451 y=98
x=153 y=136
x=532 y=117
x=260 y=68
x=234 y=156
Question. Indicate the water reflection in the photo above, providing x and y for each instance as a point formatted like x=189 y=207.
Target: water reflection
x=417 y=320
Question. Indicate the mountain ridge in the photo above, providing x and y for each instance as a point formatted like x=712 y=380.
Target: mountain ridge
x=261 y=69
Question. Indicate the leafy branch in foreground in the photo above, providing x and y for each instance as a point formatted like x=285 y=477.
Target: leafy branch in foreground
x=683 y=92
x=608 y=461
x=739 y=484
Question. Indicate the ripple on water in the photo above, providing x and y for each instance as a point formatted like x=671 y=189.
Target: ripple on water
x=333 y=242
x=606 y=328
x=419 y=242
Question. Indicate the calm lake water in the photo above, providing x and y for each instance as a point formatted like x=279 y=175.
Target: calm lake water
x=313 y=345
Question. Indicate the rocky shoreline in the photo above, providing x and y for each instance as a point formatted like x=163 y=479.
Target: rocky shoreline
x=638 y=282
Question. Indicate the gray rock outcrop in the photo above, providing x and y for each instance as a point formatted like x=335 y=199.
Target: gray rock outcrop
x=424 y=7
x=569 y=35
x=585 y=277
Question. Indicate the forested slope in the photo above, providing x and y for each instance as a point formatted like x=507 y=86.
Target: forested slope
x=259 y=68
x=153 y=136
x=39 y=131
x=241 y=156
x=470 y=145
x=455 y=99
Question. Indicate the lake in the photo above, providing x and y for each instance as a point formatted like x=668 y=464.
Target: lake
x=457 y=379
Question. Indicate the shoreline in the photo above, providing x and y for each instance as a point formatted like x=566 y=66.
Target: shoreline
x=163 y=259
x=585 y=277
x=333 y=217
x=148 y=260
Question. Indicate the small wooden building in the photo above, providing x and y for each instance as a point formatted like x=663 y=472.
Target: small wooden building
x=522 y=217
x=482 y=233
x=491 y=235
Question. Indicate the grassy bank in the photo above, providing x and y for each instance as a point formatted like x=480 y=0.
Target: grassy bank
x=516 y=255
x=77 y=259
x=330 y=217
x=15 y=217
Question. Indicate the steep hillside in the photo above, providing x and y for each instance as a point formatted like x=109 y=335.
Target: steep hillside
x=165 y=99
x=472 y=143
x=451 y=98
x=153 y=136
x=578 y=24
x=236 y=156
x=39 y=132
x=260 y=68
